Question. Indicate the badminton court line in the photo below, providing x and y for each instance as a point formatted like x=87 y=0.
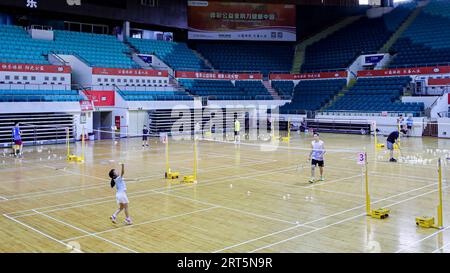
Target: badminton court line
x=42 y=233
x=141 y=223
x=304 y=187
x=342 y=212
x=175 y=187
x=339 y=222
x=148 y=192
x=101 y=185
x=3 y=198
x=84 y=231
x=441 y=248
x=423 y=239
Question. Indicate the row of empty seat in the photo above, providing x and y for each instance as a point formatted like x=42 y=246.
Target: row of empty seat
x=377 y=95
x=39 y=95
x=226 y=90
x=240 y=56
x=154 y=95
x=366 y=35
x=176 y=55
x=312 y=95
x=98 y=50
x=427 y=40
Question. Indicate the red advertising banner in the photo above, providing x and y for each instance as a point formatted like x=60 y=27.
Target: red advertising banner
x=36 y=68
x=405 y=71
x=130 y=72
x=221 y=20
x=101 y=98
x=217 y=75
x=86 y=105
x=308 y=76
x=442 y=81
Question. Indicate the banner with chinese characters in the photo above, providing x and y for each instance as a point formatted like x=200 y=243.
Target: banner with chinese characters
x=129 y=72
x=101 y=98
x=309 y=76
x=36 y=68
x=217 y=75
x=429 y=70
x=86 y=105
x=211 y=20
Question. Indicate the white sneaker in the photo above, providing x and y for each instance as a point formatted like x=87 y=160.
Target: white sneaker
x=128 y=221
x=312 y=180
x=113 y=219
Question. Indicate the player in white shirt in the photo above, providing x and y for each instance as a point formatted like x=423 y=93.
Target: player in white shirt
x=121 y=194
x=316 y=157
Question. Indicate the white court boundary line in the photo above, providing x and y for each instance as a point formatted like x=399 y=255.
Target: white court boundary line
x=138 y=193
x=339 y=213
x=42 y=233
x=84 y=231
x=339 y=222
x=3 y=198
x=142 y=223
x=101 y=185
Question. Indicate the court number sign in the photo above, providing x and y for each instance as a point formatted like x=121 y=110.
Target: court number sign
x=361 y=158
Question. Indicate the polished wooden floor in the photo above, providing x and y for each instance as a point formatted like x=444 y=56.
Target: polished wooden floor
x=253 y=197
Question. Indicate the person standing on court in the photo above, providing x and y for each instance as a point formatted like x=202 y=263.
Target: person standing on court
x=17 y=139
x=237 y=129
x=409 y=125
x=145 y=136
x=317 y=157
x=391 y=140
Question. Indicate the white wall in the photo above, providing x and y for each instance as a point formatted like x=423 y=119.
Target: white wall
x=443 y=127
x=41 y=34
x=385 y=124
x=39 y=107
x=440 y=106
x=428 y=100
x=81 y=72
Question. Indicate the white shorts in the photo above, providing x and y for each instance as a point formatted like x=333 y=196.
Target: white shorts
x=121 y=198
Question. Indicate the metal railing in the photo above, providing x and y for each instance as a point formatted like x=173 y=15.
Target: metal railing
x=368 y=113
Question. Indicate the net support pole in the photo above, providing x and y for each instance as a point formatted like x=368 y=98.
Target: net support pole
x=440 y=207
x=68 y=141
x=167 y=154
x=289 y=128
x=366 y=177
x=375 y=134
x=195 y=159
x=82 y=144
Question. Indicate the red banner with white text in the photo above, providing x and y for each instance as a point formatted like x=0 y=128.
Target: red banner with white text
x=431 y=70
x=309 y=76
x=35 y=68
x=130 y=72
x=217 y=75
x=101 y=98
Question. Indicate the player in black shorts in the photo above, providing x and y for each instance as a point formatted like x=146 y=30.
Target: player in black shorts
x=145 y=137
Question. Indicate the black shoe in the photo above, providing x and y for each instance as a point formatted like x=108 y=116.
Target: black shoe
x=392 y=160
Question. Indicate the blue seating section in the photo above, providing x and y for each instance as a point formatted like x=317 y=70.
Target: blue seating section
x=176 y=55
x=377 y=95
x=312 y=95
x=17 y=46
x=97 y=50
x=225 y=90
x=427 y=39
x=341 y=48
x=39 y=95
x=284 y=88
x=228 y=56
x=255 y=89
x=154 y=95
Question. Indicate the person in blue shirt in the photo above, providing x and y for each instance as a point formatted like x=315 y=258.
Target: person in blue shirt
x=17 y=139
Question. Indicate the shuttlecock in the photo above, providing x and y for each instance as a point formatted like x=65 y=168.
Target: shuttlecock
x=284 y=197
x=248 y=192
x=231 y=186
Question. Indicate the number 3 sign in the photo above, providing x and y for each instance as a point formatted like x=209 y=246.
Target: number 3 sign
x=361 y=158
